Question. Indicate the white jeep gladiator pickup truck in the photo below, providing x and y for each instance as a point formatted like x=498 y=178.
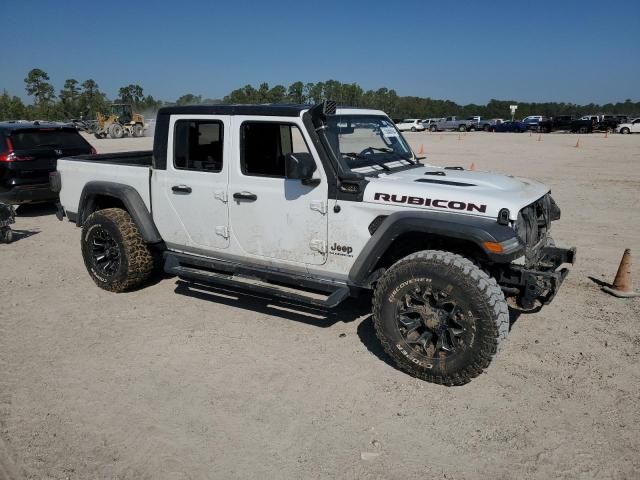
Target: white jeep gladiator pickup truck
x=315 y=205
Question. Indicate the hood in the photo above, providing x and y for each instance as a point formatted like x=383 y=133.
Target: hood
x=457 y=191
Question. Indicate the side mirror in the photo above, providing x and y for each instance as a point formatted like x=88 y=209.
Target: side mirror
x=300 y=166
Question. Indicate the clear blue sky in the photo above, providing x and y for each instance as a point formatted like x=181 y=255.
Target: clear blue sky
x=467 y=51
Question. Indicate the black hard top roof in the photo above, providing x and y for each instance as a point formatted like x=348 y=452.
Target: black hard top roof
x=279 y=110
x=12 y=126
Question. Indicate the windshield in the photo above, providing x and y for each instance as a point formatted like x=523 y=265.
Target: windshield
x=368 y=143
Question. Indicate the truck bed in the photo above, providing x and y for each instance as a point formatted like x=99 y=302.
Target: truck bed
x=141 y=158
x=128 y=168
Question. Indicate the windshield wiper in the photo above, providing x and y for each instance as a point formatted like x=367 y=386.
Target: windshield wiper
x=362 y=157
x=391 y=150
x=411 y=160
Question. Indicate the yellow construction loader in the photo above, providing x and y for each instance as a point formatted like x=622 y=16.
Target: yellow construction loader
x=121 y=122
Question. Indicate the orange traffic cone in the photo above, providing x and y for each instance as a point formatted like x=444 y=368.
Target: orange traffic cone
x=539 y=138
x=473 y=166
x=623 y=284
x=421 y=152
x=578 y=143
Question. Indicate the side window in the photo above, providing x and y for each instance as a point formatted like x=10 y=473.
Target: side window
x=265 y=145
x=197 y=145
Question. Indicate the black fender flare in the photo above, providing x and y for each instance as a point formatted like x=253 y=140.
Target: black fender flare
x=478 y=230
x=132 y=201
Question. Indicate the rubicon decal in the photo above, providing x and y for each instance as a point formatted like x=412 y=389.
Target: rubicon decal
x=428 y=202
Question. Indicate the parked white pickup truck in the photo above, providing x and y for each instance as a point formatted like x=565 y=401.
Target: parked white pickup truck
x=315 y=205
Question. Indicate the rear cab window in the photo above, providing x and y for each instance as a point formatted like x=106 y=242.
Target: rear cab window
x=198 y=145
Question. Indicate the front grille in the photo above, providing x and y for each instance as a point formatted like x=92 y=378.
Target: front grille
x=534 y=220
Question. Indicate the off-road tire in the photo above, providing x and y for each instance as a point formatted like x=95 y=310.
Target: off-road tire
x=482 y=306
x=116 y=131
x=136 y=261
x=138 y=130
x=6 y=235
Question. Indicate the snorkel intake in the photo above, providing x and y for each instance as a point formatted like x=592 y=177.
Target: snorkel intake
x=319 y=115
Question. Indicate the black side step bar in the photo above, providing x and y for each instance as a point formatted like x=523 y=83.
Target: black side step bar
x=330 y=296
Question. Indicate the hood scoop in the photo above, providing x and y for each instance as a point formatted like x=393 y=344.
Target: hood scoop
x=445 y=182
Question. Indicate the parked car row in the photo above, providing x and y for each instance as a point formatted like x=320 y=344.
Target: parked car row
x=585 y=124
x=537 y=123
x=448 y=123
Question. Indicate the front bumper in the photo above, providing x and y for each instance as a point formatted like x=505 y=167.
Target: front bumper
x=537 y=285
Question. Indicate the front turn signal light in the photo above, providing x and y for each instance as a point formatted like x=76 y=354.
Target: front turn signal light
x=493 y=247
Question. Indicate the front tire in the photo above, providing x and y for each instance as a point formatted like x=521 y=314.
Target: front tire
x=114 y=251
x=462 y=128
x=6 y=235
x=625 y=131
x=440 y=317
x=116 y=131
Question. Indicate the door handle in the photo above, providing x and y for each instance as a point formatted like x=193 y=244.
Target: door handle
x=181 y=189
x=248 y=196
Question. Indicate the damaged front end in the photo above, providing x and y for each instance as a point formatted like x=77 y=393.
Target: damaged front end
x=534 y=279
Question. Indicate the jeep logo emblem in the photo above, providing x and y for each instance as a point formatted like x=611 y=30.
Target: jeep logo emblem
x=342 y=250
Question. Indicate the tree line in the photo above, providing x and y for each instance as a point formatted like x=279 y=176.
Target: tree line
x=84 y=99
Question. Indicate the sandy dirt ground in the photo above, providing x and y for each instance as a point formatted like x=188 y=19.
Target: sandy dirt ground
x=172 y=383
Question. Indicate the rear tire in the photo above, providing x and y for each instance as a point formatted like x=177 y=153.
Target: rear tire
x=433 y=129
x=114 y=251
x=440 y=317
x=462 y=128
x=138 y=130
x=625 y=131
